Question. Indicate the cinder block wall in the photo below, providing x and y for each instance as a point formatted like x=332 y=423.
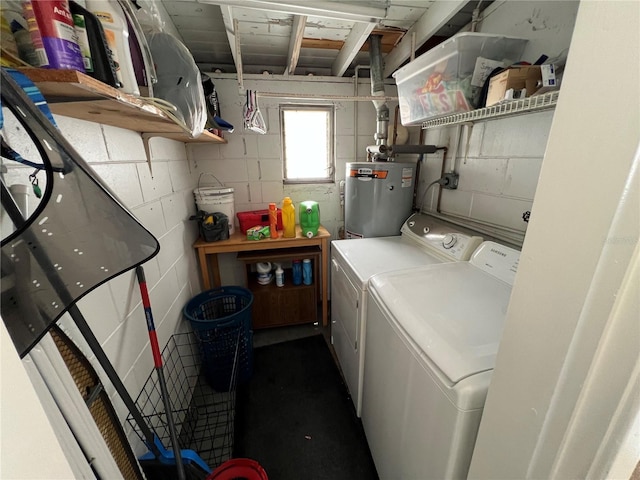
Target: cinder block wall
x=499 y=163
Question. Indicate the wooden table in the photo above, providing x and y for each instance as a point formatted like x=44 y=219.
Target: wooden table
x=208 y=256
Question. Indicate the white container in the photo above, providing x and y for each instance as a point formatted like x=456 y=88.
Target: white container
x=216 y=199
x=279 y=277
x=438 y=82
x=117 y=32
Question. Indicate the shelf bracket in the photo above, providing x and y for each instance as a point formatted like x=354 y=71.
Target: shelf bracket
x=147 y=148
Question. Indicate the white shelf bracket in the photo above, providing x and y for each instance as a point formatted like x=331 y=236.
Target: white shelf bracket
x=147 y=149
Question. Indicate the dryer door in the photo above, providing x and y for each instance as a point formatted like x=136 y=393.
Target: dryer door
x=345 y=324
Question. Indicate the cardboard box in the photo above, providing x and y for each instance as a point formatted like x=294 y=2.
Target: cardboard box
x=516 y=78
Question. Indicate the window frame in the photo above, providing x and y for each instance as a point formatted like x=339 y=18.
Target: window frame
x=331 y=141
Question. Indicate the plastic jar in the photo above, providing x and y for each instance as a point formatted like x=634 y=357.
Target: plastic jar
x=307 y=272
x=297 y=272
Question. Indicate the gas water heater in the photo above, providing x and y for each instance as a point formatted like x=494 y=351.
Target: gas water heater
x=378 y=198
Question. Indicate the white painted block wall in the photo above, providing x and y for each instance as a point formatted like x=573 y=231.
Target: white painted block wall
x=499 y=163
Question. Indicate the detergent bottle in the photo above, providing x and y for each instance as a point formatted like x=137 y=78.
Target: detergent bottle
x=273 y=220
x=309 y=218
x=279 y=276
x=288 y=218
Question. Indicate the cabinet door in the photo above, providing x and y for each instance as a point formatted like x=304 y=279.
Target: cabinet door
x=289 y=305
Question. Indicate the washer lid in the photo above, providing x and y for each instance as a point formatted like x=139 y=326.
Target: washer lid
x=453 y=312
x=365 y=257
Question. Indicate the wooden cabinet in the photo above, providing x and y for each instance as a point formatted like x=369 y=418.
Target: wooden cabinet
x=290 y=304
x=273 y=249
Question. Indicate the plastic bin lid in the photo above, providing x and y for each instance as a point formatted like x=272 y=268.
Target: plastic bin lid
x=450 y=47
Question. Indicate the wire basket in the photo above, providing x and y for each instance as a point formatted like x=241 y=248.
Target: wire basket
x=204 y=418
x=215 y=317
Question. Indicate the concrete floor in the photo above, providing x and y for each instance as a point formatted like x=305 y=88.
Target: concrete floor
x=269 y=336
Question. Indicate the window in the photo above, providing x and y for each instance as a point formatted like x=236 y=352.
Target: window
x=307 y=143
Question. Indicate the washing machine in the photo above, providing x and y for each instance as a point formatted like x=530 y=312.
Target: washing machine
x=432 y=336
x=424 y=240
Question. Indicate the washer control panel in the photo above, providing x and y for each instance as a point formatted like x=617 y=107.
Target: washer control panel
x=497 y=260
x=446 y=240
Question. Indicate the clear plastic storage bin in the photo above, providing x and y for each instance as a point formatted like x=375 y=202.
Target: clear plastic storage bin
x=439 y=82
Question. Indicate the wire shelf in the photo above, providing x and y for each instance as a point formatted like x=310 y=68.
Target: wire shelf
x=204 y=417
x=513 y=107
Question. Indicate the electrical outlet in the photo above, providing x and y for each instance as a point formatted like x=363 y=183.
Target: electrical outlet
x=449 y=181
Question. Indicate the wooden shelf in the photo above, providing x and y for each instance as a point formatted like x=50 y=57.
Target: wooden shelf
x=74 y=94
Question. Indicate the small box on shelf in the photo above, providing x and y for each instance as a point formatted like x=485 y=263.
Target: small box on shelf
x=518 y=78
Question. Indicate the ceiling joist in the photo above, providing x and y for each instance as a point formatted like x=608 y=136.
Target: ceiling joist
x=359 y=34
x=238 y=54
x=322 y=9
x=227 y=17
x=430 y=22
x=295 y=43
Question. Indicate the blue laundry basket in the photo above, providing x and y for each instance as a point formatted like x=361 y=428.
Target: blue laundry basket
x=221 y=321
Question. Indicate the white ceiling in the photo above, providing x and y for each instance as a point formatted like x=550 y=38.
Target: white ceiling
x=277 y=37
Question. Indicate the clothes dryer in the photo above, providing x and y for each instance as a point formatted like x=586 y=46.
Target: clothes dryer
x=424 y=240
x=432 y=336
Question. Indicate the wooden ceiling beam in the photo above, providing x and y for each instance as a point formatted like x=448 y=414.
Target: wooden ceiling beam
x=438 y=14
x=352 y=45
x=233 y=36
x=295 y=43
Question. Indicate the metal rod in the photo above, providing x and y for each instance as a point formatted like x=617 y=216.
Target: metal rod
x=305 y=96
x=396 y=149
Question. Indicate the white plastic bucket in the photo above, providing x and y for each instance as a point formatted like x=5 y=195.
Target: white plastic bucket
x=216 y=199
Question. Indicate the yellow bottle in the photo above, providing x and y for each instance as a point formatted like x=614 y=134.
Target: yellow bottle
x=288 y=218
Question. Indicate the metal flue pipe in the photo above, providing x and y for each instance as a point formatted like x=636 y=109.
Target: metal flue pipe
x=377 y=89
